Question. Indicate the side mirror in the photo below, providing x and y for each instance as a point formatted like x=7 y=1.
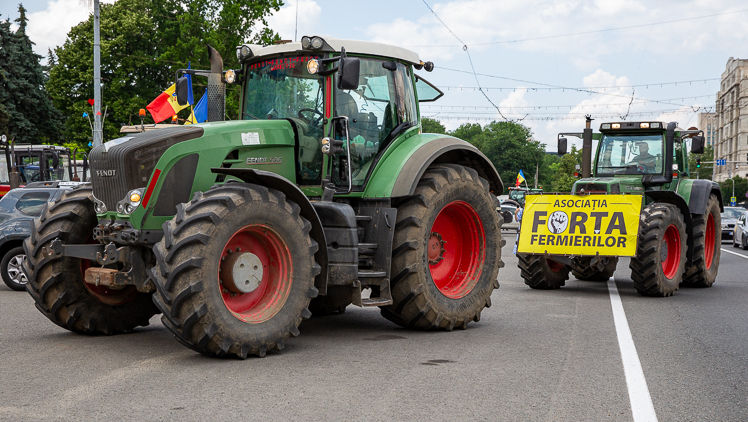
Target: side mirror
x=350 y=69
x=561 y=146
x=697 y=145
x=182 y=90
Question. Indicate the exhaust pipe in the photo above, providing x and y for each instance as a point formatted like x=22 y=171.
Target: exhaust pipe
x=587 y=148
x=216 y=87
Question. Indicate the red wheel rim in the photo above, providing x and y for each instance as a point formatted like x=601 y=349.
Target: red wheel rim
x=456 y=249
x=555 y=266
x=671 y=259
x=273 y=275
x=709 y=242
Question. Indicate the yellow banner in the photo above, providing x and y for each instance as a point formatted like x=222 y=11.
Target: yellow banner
x=580 y=224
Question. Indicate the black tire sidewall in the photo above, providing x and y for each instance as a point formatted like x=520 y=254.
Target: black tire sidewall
x=288 y=227
x=18 y=250
x=466 y=191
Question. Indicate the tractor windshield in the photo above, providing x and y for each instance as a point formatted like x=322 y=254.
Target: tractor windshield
x=630 y=154
x=283 y=88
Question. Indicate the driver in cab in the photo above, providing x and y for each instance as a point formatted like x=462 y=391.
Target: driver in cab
x=646 y=160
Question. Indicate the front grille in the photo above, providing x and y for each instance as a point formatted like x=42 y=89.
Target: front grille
x=127 y=163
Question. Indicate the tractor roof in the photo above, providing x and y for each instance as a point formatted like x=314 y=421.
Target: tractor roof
x=334 y=44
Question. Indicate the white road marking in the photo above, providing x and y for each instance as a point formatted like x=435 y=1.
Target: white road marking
x=642 y=408
x=734 y=253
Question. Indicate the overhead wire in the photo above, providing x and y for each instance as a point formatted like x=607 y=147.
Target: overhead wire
x=470 y=60
x=593 y=31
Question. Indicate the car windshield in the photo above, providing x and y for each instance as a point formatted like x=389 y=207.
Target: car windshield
x=283 y=88
x=732 y=213
x=630 y=154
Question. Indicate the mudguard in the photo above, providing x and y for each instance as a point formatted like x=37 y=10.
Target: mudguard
x=699 y=195
x=292 y=192
x=671 y=197
x=410 y=159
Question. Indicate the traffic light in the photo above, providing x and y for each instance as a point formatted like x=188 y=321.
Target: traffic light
x=698 y=163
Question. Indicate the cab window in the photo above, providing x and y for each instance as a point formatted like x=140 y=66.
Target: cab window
x=381 y=107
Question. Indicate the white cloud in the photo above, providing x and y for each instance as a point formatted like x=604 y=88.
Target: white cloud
x=48 y=28
x=284 y=20
x=482 y=22
x=684 y=116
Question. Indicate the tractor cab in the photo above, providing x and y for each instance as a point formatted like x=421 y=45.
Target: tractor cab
x=346 y=101
x=22 y=164
x=634 y=157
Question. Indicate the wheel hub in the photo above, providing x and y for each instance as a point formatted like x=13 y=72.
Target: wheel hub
x=241 y=272
x=436 y=248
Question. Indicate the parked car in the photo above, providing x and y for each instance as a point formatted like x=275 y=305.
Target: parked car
x=18 y=208
x=740 y=235
x=508 y=212
x=729 y=217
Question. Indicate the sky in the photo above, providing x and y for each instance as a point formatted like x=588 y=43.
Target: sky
x=544 y=64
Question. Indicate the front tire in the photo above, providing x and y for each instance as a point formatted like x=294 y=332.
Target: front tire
x=447 y=251
x=235 y=271
x=704 y=251
x=659 y=264
x=542 y=273
x=11 y=268
x=56 y=282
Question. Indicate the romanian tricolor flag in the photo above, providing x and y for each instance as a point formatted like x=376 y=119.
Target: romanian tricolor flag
x=520 y=178
x=165 y=105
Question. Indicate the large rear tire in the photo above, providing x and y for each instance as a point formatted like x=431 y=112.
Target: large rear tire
x=235 y=271
x=542 y=273
x=56 y=282
x=704 y=249
x=447 y=251
x=657 y=269
x=582 y=269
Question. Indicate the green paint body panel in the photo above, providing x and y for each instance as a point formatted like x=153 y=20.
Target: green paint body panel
x=384 y=175
x=276 y=140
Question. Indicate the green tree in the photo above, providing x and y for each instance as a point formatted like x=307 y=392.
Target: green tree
x=143 y=42
x=563 y=171
x=510 y=148
x=26 y=112
x=741 y=187
x=429 y=125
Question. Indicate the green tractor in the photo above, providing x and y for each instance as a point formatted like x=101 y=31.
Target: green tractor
x=678 y=234
x=326 y=193
x=517 y=194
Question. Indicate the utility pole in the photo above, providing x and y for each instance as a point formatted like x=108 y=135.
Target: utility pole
x=98 y=134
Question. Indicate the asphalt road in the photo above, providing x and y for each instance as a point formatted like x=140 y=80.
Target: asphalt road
x=535 y=355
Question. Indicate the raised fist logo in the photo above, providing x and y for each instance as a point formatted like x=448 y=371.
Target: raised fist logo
x=558 y=222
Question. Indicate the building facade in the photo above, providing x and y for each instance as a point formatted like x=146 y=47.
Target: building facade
x=732 y=121
x=708 y=123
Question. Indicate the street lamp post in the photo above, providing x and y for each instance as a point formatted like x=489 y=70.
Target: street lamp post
x=97 y=129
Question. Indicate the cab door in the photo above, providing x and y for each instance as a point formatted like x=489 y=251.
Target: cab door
x=371 y=116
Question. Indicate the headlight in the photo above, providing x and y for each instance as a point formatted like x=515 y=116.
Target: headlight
x=312 y=66
x=243 y=52
x=131 y=201
x=229 y=76
x=99 y=206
